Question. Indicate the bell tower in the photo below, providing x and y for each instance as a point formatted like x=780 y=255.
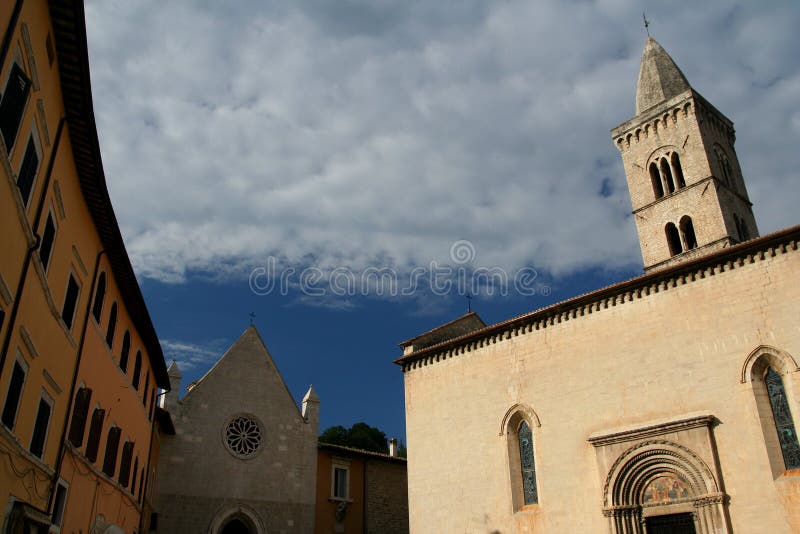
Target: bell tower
x=686 y=186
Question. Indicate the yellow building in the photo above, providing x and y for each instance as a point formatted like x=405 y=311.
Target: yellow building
x=79 y=358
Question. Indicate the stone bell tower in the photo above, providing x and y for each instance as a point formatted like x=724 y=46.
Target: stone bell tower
x=686 y=186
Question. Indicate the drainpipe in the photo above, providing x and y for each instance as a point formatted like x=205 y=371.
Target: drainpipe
x=71 y=399
x=12 y=318
x=144 y=485
x=12 y=24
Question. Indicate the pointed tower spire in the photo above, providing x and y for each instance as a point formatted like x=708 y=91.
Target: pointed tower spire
x=687 y=191
x=659 y=77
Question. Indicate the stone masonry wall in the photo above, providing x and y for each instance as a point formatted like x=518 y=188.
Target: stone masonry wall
x=386 y=497
x=657 y=356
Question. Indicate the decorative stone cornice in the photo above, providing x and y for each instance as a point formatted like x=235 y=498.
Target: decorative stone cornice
x=715 y=264
x=651 y=430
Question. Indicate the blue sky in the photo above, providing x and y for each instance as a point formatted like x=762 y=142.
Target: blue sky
x=328 y=139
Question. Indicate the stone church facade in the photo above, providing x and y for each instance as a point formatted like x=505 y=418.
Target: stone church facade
x=244 y=458
x=664 y=403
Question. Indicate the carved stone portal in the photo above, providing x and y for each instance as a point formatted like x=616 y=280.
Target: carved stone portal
x=667 y=468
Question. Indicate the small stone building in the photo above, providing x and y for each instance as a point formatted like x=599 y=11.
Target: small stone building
x=244 y=457
x=361 y=492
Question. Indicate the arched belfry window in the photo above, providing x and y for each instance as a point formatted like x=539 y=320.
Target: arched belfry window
x=527 y=466
x=655 y=178
x=673 y=239
x=687 y=233
x=99 y=296
x=667 y=175
x=782 y=416
x=677 y=169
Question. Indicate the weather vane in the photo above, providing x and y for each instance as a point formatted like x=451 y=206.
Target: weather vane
x=252 y=316
x=646 y=23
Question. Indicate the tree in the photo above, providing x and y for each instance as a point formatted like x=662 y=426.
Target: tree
x=359 y=436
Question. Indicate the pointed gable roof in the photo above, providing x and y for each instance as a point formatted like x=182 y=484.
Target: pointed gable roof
x=659 y=77
x=247 y=350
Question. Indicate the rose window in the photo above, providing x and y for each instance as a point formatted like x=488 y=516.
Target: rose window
x=243 y=436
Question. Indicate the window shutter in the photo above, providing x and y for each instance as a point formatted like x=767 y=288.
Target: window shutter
x=12 y=398
x=13 y=104
x=112 y=448
x=79 y=415
x=46 y=247
x=95 y=429
x=125 y=464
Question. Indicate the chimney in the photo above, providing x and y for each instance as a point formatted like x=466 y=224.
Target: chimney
x=393 y=447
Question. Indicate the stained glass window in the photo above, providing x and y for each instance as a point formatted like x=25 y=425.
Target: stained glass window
x=783 y=420
x=526 y=462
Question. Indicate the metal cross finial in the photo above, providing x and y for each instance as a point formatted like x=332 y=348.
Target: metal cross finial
x=469 y=303
x=252 y=316
x=646 y=24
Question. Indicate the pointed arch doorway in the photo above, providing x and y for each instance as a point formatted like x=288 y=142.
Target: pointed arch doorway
x=237 y=525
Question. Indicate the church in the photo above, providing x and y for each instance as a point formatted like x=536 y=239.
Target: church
x=666 y=403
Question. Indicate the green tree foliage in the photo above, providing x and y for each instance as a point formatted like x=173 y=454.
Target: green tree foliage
x=359 y=436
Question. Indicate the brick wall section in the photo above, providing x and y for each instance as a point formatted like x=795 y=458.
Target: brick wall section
x=386 y=497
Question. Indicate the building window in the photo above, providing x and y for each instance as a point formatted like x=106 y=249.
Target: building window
x=340 y=480
x=243 y=436
x=59 y=503
x=14 y=393
x=40 y=425
x=51 y=53
x=687 y=233
x=146 y=389
x=141 y=485
x=528 y=468
x=70 y=301
x=667 y=176
x=655 y=178
x=782 y=415
x=112 y=448
x=677 y=169
x=126 y=349
x=152 y=403
x=137 y=370
x=27 y=171
x=12 y=105
x=125 y=464
x=112 y=325
x=95 y=430
x=673 y=239
x=48 y=237
x=133 y=475
x=80 y=412
x=99 y=297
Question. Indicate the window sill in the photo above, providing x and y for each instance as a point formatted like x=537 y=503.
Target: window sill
x=791 y=473
x=339 y=499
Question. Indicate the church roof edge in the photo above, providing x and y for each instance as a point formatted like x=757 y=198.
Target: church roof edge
x=781 y=237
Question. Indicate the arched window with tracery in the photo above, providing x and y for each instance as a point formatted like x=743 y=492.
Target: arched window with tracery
x=655 y=178
x=527 y=466
x=782 y=416
x=673 y=239
x=99 y=297
x=518 y=426
x=687 y=233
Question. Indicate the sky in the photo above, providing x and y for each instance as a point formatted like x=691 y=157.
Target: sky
x=349 y=171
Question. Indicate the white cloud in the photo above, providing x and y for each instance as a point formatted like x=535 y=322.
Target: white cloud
x=372 y=133
x=191 y=357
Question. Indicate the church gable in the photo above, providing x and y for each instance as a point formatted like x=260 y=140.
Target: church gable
x=245 y=372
